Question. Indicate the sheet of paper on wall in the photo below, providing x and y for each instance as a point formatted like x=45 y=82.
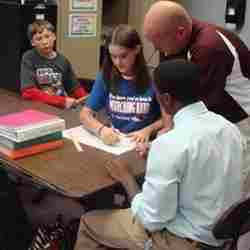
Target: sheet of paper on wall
x=85 y=137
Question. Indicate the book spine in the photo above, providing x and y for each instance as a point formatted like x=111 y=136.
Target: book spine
x=25 y=135
x=20 y=153
x=40 y=124
x=29 y=125
x=5 y=142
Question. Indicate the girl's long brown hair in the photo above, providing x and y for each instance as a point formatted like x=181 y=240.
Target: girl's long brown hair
x=127 y=37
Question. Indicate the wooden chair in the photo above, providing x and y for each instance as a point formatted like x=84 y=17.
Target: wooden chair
x=233 y=223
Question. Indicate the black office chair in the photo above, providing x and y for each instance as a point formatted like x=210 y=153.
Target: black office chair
x=233 y=223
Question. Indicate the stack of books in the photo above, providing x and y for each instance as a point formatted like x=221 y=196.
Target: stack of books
x=29 y=132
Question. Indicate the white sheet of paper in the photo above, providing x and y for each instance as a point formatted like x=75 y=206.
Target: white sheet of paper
x=85 y=137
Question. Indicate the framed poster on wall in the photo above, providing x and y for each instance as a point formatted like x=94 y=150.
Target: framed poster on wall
x=83 y=5
x=82 y=25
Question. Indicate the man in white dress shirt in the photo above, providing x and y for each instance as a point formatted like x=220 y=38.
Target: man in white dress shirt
x=192 y=176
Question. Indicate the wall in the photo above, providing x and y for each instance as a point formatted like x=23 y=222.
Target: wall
x=83 y=52
x=214 y=11
x=114 y=12
x=86 y=62
x=137 y=10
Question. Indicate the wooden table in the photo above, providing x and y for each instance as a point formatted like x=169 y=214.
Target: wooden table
x=65 y=170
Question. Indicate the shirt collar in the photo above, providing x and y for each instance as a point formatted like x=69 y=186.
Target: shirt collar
x=187 y=112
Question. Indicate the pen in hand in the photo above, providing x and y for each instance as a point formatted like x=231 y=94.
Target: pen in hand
x=109 y=136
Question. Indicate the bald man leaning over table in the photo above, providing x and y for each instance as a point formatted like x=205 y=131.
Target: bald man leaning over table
x=223 y=57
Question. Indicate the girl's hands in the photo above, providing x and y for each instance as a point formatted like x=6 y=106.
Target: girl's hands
x=109 y=136
x=140 y=136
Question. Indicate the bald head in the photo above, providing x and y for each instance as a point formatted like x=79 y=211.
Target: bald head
x=165 y=17
x=164 y=13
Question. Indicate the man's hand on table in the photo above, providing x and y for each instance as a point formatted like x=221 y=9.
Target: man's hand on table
x=142 y=149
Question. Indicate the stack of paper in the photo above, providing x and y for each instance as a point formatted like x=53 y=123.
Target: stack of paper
x=85 y=137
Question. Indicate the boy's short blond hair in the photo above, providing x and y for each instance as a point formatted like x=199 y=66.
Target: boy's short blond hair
x=38 y=27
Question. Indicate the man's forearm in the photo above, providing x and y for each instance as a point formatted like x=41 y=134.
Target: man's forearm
x=154 y=127
x=132 y=188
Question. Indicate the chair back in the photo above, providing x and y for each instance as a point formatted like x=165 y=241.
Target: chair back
x=234 y=222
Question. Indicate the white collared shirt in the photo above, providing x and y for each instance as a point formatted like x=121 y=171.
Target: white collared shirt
x=192 y=175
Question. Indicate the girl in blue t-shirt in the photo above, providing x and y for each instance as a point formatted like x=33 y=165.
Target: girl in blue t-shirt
x=123 y=87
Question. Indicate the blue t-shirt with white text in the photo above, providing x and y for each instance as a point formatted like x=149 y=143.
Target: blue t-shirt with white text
x=128 y=110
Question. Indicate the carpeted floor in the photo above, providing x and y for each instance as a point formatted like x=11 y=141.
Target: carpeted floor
x=43 y=207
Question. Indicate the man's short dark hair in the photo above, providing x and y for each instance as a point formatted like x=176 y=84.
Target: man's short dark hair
x=38 y=26
x=179 y=78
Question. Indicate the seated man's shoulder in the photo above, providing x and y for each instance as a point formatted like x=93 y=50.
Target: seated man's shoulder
x=170 y=137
